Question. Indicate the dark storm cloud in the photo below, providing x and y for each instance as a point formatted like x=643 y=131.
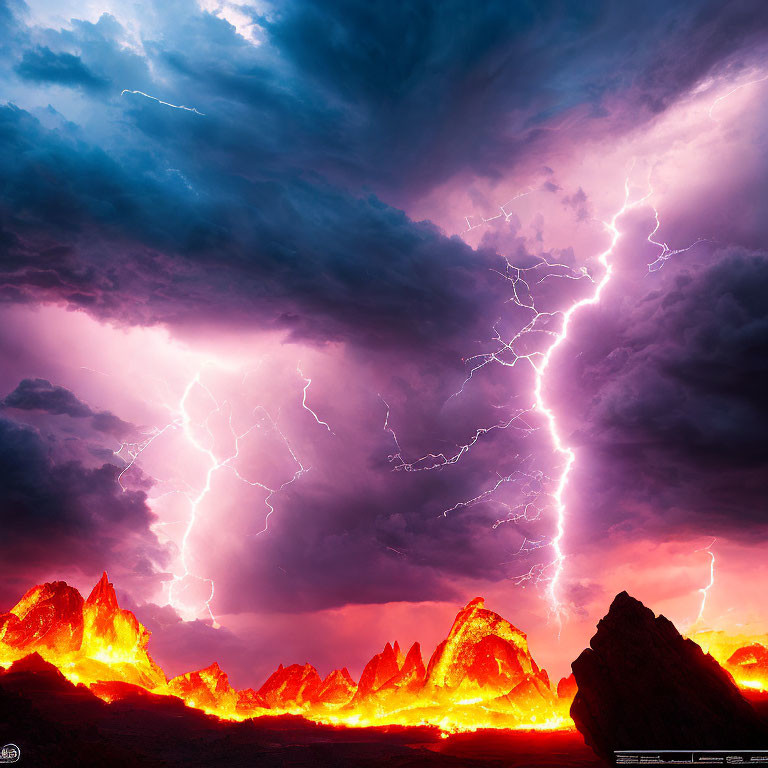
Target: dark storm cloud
x=41 y=395
x=353 y=530
x=441 y=87
x=711 y=367
x=42 y=65
x=298 y=255
x=277 y=209
x=257 y=213
x=678 y=416
x=64 y=515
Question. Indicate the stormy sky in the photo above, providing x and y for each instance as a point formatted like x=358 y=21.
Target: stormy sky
x=278 y=281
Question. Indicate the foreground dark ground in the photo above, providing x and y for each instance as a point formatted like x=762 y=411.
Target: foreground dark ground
x=58 y=724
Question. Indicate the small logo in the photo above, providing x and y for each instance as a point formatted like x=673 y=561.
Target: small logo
x=10 y=753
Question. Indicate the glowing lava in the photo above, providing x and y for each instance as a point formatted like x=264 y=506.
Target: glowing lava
x=481 y=676
x=744 y=656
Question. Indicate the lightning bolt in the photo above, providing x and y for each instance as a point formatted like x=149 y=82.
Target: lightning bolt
x=164 y=103
x=131 y=453
x=307 y=382
x=704 y=591
x=522 y=280
x=215 y=464
x=502 y=212
x=732 y=91
x=665 y=252
x=508 y=354
x=541 y=405
x=272 y=491
x=432 y=461
x=133 y=450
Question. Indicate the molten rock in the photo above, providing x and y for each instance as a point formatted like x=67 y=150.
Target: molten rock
x=89 y=641
x=115 y=637
x=208 y=689
x=411 y=676
x=749 y=665
x=482 y=675
x=378 y=671
x=566 y=688
x=49 y=616
x=292 y=687
x=484 y=655
x=337 y=688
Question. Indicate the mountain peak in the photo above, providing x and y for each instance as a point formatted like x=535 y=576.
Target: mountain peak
x=484 y=658
x=667 y=689
x=291 y=687
x=338 y=688
x=378 y=671
x=103 y=593
x=48 y=616
x=208 y=688
x=481 y=647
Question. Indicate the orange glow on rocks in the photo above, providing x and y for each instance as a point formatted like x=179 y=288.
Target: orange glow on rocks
x=481 y=676
x=744 y=656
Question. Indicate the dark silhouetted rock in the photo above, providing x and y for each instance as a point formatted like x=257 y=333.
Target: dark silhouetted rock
x=642 y=685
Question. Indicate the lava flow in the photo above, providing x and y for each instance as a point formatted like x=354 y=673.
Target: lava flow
x=744 y=656
x=481 y=676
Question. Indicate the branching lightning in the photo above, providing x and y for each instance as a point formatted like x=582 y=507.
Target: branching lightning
x=509 y=353
x=502 y=212
x=542 y=406
x=665 y=252
x=272 y=491
x=506 y=354
x=132 y=451
x=183 y=421
x=513 y=516
x=432 y=461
